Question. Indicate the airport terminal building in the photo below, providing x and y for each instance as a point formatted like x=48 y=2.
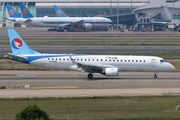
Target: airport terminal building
x=158 y=15
x=140 y=15
x=74 y=8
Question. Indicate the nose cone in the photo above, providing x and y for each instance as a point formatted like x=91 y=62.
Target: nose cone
x=110 y=21
x=171 y=67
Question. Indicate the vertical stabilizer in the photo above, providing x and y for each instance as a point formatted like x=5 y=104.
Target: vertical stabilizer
x=12 y=13
x=18 y=45
x=59 y=12
x=25 y=12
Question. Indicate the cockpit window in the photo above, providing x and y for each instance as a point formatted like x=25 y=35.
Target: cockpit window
x=162 y=61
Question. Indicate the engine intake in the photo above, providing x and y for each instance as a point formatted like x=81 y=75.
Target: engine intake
x=110 y=71
x=87 y=26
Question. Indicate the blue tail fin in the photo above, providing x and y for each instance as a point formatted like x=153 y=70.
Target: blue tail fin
x=44 y=14
x=59 y=12
x=18 y=45
x=12 y=13
x=25 y=12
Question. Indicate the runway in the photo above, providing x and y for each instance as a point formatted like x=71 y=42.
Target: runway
x=75 y=84
x=34 y=31
x=85 y=49
x=93 y=49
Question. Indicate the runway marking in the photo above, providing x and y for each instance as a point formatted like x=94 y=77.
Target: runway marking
x=26 y=86
x=56 y=87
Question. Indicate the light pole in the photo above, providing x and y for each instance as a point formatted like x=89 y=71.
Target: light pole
x=110 y=7
x=117 y=14
x=131 y=6
x=173 y=11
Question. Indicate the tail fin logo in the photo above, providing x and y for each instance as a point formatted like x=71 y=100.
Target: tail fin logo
x=58 y=12
x=11 y=12
x=24 y=11
x=17 y=43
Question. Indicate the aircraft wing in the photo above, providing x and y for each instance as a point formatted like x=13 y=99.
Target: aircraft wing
x=12 y=56
x=11 y=19
x=27 y=20
x=78 y=23
x=90 y=67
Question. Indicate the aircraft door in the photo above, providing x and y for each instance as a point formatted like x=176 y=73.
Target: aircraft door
x=42 y=60
x=153 y=62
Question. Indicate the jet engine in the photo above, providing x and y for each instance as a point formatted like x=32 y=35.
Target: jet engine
x=87 y=26
x=110 y=71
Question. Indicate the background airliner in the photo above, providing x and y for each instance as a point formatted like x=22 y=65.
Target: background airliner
x=108 y=65
x=69 y=23
x=59 y=12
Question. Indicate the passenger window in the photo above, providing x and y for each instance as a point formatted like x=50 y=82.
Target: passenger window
x=129 y=60
x=132 y=60
x=136 y=60
x=144 y=61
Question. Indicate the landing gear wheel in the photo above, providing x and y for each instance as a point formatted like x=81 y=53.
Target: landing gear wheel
x=90 y=76
x=155 y=75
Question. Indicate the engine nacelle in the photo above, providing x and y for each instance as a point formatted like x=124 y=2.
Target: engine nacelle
x=87 y=26
x=110 y=71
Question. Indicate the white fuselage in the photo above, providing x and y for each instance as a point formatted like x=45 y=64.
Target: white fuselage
x=123 y=63
x=64 y=21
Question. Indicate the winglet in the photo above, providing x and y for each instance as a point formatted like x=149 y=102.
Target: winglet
x=73 y=61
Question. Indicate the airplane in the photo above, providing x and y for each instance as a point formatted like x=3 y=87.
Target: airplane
x=68 y=23
x=59 y=12
x=14 y=16
x=108 y=65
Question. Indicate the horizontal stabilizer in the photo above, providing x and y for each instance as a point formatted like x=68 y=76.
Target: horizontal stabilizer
x=17 y=57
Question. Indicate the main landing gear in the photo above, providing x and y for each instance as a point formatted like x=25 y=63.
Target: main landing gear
x=155 y=75
x=90 y=76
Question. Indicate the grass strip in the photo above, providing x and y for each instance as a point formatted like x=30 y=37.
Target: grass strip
x=98 y=108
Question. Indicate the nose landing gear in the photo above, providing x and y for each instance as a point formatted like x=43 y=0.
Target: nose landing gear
x=155 y=75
